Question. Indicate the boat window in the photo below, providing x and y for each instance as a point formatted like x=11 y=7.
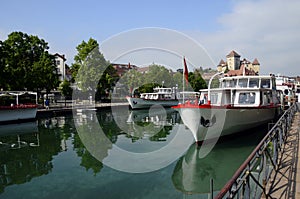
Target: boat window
x=214 y=98
x=247 y=98
x=229 y=83
x=243 y=83
x=253 y=83
x=267 y=97
x=265 y=83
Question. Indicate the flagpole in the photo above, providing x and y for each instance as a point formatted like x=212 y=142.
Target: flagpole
x=184 y=77
x=183 y=83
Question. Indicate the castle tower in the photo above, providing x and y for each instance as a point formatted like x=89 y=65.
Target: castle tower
x=221 y=66
x=256 y=66
x=233 y=60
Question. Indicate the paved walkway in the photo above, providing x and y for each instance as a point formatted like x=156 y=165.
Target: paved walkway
x=285 y=183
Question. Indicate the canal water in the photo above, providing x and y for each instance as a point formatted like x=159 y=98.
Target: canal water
x=115 y=154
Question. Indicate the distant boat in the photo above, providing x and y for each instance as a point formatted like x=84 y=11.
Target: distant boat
x=240 y=103
x=15 y=111
x=165 y=97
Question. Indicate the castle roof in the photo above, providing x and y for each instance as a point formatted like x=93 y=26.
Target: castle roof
x=233 y=54
x=255 y=62
x=222 y=62
x=240 y=72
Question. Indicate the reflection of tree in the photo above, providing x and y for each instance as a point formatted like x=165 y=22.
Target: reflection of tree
x=87 y=160
x=96 y=145
x=162 y=134
x=20 y=165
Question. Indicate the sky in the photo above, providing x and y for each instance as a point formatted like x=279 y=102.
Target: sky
x=157 y=31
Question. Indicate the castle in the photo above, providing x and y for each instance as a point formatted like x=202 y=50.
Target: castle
x=235 y=66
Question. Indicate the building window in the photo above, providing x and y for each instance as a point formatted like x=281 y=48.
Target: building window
x=57 y=62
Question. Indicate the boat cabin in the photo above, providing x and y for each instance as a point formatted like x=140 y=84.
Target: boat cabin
x=161 y=94
x=242 y=91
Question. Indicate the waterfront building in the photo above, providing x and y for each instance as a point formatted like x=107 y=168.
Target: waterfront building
x=60 y=62
x=235 y=66
x=121 y=69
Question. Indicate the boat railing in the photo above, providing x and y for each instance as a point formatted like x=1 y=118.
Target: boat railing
x=250 y=180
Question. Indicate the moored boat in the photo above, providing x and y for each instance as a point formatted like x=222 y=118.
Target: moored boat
x=165 y=97
x=15 y=111
x=240 y=103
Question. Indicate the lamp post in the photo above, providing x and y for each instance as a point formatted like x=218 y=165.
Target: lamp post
x=209 y=84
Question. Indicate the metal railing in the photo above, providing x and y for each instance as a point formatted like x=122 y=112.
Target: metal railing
x=250 y=180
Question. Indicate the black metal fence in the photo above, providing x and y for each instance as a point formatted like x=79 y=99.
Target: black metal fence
x=249 y=181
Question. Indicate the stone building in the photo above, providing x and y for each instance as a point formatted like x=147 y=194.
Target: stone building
x=234 y=63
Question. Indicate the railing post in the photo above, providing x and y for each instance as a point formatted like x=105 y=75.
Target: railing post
x=267 y=151
x=211 y=188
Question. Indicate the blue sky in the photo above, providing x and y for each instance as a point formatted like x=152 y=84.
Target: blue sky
x=263 y=29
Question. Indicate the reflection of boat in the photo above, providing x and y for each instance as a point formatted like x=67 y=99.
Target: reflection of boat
x=241 y=102
x=16 y=111
x=166 y=97
x=20 y=128
x=192 y=174
x=157 y=116
x=17 y=130
x=147 y=123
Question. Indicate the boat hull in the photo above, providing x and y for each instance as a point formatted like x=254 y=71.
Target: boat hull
x=211 y=123
x=17 y=114
x=139 y=103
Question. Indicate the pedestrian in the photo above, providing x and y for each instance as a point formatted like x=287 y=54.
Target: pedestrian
x=47 y=103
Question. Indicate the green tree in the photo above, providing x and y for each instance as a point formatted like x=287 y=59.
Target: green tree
x=196 y=81
x=93 y=73
x=159 y=75
x=66 y=90
x=131 y=80
x=3 y=76
x=178 y=80
x=44 y=74
x=27 y=63
x=83 y=50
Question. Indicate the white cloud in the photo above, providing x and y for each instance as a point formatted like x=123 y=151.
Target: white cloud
x=268 y=30
x=162 y=46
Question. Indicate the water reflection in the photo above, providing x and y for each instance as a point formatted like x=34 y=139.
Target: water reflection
x=150 y=138
x=23 y=155
x=55 y=154
x=192 y=173
x=154 y=124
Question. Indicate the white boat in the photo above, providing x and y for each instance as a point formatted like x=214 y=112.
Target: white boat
x=166 y=97
x=15 y=111
x=240 y=103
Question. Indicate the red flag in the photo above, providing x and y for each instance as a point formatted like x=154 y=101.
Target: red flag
x=185 y=71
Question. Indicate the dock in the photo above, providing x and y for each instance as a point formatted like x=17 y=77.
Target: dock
x=285 y=181
x=58 y=110
x=272 y=170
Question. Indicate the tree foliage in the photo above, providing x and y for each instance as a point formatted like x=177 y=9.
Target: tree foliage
x=91 y=71
x=26 y=64
x=65 y=88
x=160 y=76
x=196 y=81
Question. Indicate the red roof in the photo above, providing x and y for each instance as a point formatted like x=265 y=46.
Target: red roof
x=222 y=62
x=255 y=62
x=233 y=54
x=240 y=72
